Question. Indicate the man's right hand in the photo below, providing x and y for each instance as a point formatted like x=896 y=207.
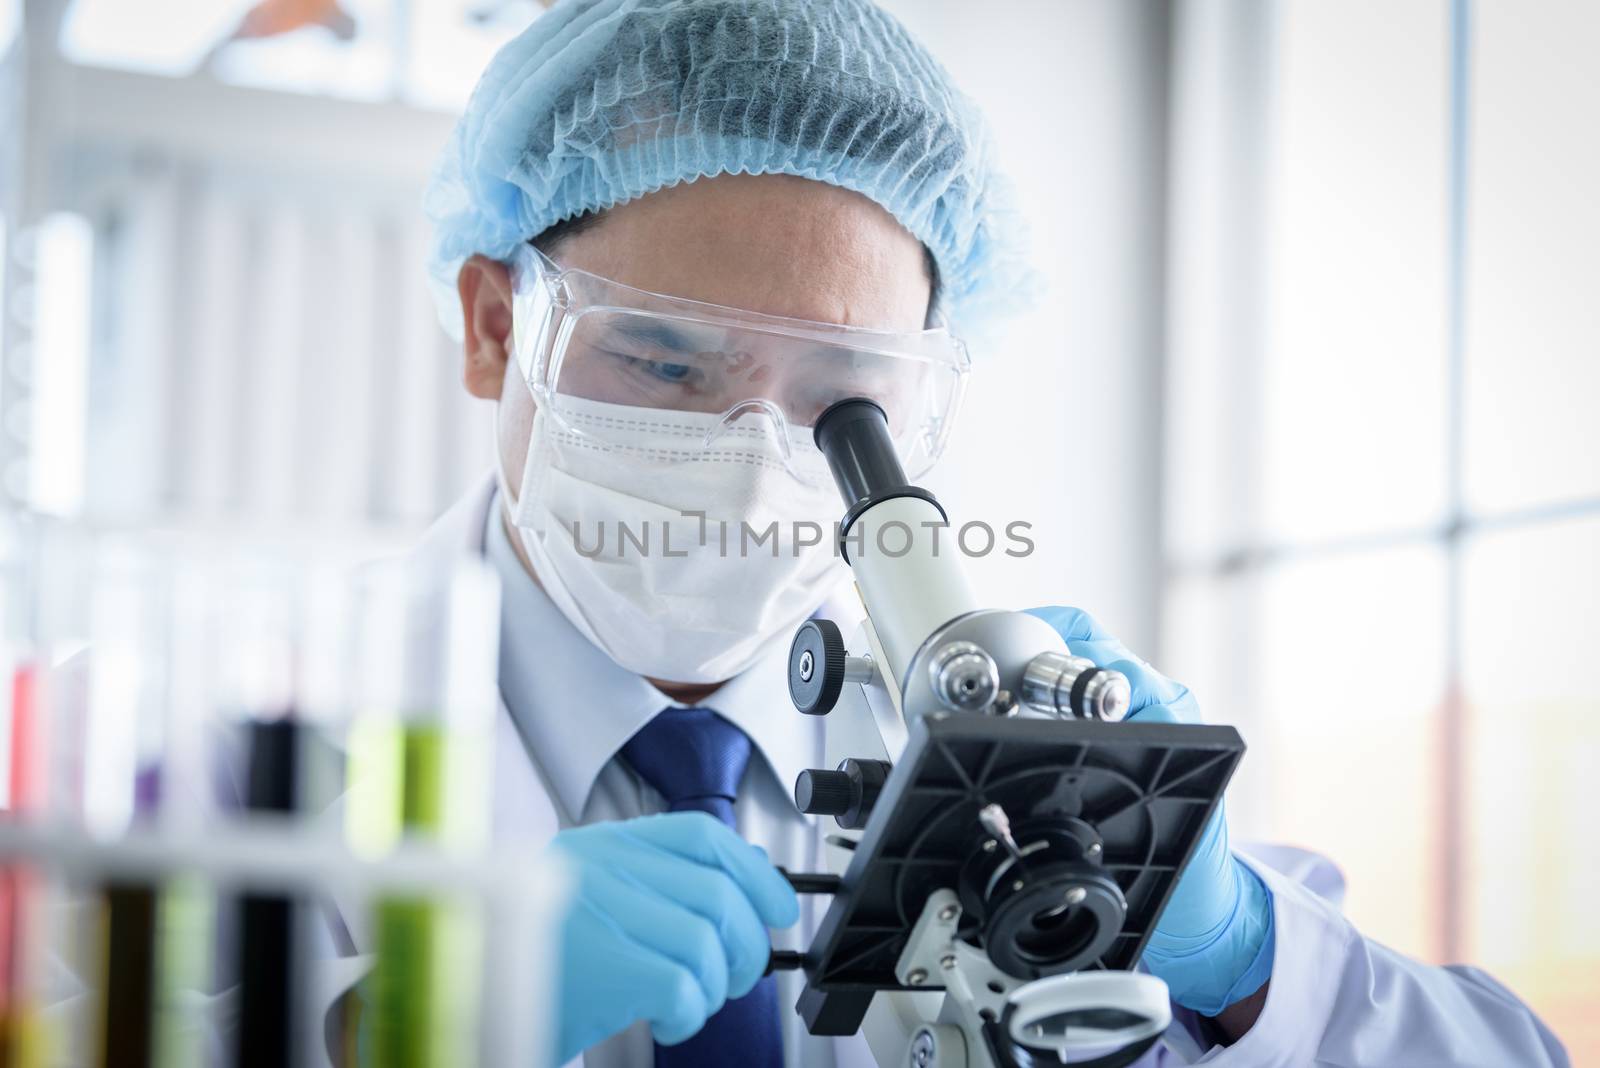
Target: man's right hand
x=668 y=919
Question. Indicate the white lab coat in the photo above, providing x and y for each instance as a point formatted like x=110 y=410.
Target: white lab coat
x=1336 y=997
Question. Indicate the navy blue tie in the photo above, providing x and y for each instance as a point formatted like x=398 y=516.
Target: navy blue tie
x=694 y=759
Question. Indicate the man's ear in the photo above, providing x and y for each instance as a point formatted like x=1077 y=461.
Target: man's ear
x=485 y=289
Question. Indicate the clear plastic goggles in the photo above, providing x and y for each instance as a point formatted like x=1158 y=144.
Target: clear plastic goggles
x=720 y=377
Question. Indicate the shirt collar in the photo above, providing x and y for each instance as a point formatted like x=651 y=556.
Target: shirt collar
x=575 y=707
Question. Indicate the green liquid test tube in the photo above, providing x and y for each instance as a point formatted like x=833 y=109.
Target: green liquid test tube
x=418 y=772
x=422 y=994
x=185 y=919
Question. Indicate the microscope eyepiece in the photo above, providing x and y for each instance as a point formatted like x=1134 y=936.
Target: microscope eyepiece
x=854 y=437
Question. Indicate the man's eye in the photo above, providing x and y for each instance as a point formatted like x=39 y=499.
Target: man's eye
x=661 y=370
x=670 y=372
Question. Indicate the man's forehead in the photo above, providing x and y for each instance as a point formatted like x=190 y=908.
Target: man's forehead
x=771 y=244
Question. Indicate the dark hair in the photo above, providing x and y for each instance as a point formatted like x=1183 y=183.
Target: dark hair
x=931 y=266
x=551 y=237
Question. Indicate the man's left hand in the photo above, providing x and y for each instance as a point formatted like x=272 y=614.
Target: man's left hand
x=1213 y=944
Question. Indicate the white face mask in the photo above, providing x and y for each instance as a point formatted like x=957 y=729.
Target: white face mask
x=702 y=601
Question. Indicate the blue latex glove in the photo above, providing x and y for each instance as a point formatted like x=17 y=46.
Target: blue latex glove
x=668 y=920
x=1213 y=944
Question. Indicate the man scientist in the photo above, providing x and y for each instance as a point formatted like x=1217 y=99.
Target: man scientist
x=668 y=234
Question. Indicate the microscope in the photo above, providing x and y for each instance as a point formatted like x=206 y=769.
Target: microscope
x=1005 y=840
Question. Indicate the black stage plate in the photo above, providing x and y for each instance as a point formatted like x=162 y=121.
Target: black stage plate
x=1148 y=788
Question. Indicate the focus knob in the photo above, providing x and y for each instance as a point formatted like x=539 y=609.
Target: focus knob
x=824 y=793
x=847 y=794
x=816 y=667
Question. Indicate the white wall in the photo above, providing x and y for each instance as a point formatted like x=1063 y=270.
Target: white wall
x=1062 y=425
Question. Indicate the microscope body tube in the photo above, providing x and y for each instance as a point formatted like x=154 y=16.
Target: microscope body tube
x=909 y=596
x=913 y=587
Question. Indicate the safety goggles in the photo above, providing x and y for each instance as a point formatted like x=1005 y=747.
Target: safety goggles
x=722 y=377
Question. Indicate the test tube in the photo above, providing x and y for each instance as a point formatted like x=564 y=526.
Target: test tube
x=186 y=909
x=259 y=635
x=107 y=726
x=419 y=772
x=16 y=880
x=20 y=887
x=123 y=781
x=106 y=604
x=270 y=951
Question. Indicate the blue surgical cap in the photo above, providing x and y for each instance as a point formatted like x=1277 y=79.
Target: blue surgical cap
x=599 y=102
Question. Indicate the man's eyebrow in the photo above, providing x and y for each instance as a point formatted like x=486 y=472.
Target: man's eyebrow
x=658 y=334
